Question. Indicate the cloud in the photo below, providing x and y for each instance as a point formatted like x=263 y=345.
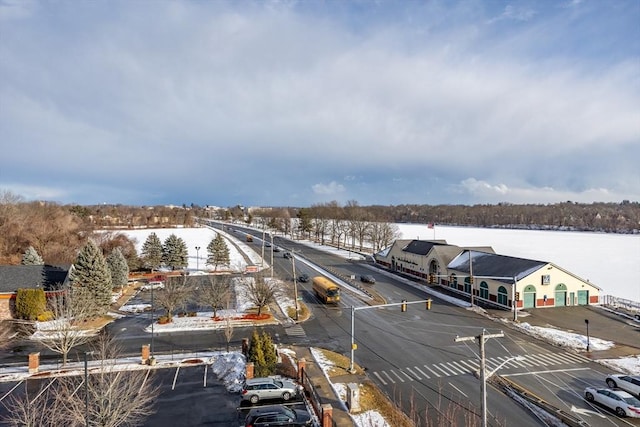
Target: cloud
x=257 y=103
x=330 y=189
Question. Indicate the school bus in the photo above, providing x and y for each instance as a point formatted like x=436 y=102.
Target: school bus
x=326 y=290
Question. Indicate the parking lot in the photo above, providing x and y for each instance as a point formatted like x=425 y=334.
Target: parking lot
x=189 y=396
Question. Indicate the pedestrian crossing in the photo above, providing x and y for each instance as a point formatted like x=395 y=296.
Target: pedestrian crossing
x=295 y=331
x=469 y=366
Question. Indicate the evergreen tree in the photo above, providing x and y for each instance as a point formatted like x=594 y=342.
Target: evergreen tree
x=270 y=356
x=256 y=355
x=118 y=267
x=91 y=273
x=152 y=252
x=174 y=252
x=218 y=252
x=31 y=257
x=304 y=224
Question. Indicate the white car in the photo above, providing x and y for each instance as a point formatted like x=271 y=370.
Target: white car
x=624 y=404
x=627 y=383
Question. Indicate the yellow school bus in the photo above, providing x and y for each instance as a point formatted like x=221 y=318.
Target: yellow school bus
x=326 y=290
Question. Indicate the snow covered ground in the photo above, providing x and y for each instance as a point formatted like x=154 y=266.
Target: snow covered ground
x=230 y=366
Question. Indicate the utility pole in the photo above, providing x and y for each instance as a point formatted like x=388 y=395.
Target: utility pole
x=483 y=368
x=471 y=277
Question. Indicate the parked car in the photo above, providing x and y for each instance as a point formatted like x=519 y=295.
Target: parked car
x=257 y=389
x=277 y=415
x=303 y=278
x=628 y=383
x=367 y=278
x=624 y=404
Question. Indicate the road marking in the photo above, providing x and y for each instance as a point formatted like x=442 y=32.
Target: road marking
x=419 y=370
x=577 y=358
x=413 y=373
x=530 y=361
x=539 y=359
x=380 y=378
x=389 y=377
x=470 y=365
x=175 y=378
x=587 y=412
x=394 y=373
x=463 y=369
x=459 y=391
x=545 y=372
x=446 y=374
x=553 y=360
x=406 y=375
x=432 y=371
x=450 y=366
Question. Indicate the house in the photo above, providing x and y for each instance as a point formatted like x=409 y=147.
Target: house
x=487 y=277
x=51 y=278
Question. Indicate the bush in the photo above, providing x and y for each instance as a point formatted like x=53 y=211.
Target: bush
x=30 y=303
x=192 y=314
x=45 y=317
x=163 y=320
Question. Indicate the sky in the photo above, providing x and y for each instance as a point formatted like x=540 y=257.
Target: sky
x=295 y=103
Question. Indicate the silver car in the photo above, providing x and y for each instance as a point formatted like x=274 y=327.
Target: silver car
x=628 y=383
x=257 y=389
x=624 y=404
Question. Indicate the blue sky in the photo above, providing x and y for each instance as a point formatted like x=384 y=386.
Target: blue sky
x=293 y=103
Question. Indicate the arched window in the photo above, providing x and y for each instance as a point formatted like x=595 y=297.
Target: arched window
x=503 y=296
x=467 y=285
x=484 y=290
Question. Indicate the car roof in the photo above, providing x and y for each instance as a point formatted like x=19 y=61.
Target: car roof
x=261 y=410
x=620 y=393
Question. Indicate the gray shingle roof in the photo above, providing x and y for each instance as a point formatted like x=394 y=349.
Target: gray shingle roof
x=421 y=247
x=48 y=277
x=493 y=265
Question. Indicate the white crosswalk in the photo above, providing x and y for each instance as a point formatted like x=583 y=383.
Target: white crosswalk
x=295 y=331
x=468 y=366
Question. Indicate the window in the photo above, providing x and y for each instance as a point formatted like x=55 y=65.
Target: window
x=546 y=279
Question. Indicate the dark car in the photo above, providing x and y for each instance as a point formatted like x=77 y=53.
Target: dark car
x=287 y=255
x=276 y=249
x=367 y=278
x=303 y=278
x=277 y=415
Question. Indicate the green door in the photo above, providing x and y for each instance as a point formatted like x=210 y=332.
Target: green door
x=561 y=295
x=529 y=300
x=583 y=297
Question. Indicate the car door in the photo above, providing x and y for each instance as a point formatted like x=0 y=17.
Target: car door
x=272 y=391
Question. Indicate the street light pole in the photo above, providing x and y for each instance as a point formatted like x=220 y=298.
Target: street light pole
x=295 y=283
x=152 y=317
x=587 y=323
x=197 y=257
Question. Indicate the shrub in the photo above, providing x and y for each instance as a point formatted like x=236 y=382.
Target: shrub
x=30 y=303
x=163 y=320
x=192 y=314
x=45 y=317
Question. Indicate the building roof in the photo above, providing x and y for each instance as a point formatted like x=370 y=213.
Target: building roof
x=422 y=247
x=493 y=265
x=48 y=277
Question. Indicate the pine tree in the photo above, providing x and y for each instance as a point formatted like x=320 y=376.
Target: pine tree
x=174 y=252
x=256 y=355
x=118 y=267
x=270 y=356
x=91 y=273
x=218 y=252
x=152 y=252
x=31 y=257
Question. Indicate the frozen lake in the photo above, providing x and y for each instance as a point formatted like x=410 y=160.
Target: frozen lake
x=610 y=261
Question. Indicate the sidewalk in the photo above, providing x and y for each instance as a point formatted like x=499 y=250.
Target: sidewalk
x=323 y=387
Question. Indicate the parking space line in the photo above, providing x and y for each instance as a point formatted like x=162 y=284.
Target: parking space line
x=175 y=378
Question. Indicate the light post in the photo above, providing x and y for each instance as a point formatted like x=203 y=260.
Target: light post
x=152 y=317
x=586 y=321
x=197 y=257
x=295 y=283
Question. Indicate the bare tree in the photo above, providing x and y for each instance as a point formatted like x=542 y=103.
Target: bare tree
x=174 y=294
x=32 y=409
x=66 y=331
x=115 y=397
x=214 y=293
x=261 y=292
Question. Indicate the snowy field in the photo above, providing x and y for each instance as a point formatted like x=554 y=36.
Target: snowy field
x=610 y=261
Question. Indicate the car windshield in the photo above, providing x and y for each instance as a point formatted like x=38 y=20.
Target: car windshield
x=289 y=412
x=632 y=401
x=279 y=384
x=333 y=292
